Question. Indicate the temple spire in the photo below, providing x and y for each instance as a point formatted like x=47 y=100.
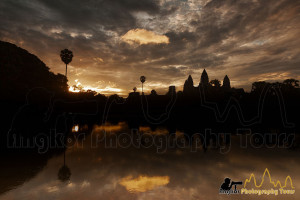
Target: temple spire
x=204 y=78
x=226 y=82
x=188 y=85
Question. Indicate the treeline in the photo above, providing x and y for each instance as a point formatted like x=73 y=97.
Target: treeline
x=35 y=100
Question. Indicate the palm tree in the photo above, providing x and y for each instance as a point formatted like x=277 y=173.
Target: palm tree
x=143 y=79
x=64 y=173
x=215 y=83
x=66 y=56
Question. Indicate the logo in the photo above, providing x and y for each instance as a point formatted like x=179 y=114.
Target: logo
x=226 y=187
x=267 y=186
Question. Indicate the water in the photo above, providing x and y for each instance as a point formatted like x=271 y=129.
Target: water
x=99 y=170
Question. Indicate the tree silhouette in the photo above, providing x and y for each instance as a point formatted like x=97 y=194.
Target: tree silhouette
x=215 y=83
x=143 y=79
x=134 y=89
x=291 y=83
x=153 y=93
x=258 y=87
x=78 y=87
x=66 y=56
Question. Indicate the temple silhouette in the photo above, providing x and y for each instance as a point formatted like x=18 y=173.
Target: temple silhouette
x=190 y=89
x=36 y=100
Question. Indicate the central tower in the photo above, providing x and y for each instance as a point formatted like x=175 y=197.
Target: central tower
x=204 y=78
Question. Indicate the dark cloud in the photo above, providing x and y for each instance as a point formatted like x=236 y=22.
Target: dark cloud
x=245 y=39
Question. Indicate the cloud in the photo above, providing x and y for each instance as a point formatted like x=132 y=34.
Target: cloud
x=142 y=36
x=98 y=59
x=243 y=39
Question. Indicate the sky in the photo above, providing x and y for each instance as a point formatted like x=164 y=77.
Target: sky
x=114 y=42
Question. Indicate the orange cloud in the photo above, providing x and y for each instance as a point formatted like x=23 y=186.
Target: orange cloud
x=273 y=76
x=142 y=36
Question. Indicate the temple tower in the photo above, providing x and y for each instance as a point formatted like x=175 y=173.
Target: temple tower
x=226 y=82
x=204 y=78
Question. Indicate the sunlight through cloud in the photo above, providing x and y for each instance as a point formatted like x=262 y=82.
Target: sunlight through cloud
x=142 y=36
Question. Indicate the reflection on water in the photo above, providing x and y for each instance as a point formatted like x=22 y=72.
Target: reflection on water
x=64 y=172
x=111 y=127
x=143 y=183
x=87 y=171
x=75 y=128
